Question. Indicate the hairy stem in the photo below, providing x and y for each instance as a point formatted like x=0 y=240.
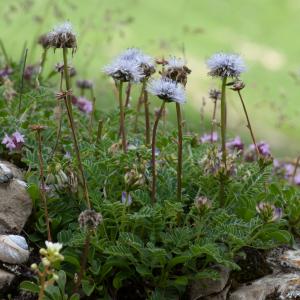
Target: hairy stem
x=179 y=163
x=223 y=136
x=147 y=118
x=213 y=121
x=139 y=105
x=122 y=118
x=73 y=130
x=248 y=124
x=153 y=190
x=42 y=183
x=128 y=92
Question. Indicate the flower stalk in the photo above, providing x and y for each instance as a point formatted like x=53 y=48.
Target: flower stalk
x=72 y=125
x=179 y=163
x=122 y=118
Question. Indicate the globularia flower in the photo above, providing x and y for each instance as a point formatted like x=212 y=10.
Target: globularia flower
x=62 y=36
x=167 y=90
x=176 y=69
x=225 y=65
x=124 y=70
x=89 y=219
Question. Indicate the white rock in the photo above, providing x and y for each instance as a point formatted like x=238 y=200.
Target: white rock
x=13 y=249
x=5 y=278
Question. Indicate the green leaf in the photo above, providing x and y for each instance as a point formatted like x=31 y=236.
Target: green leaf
x=29 y=286
x=88 y=287
x=62 y=279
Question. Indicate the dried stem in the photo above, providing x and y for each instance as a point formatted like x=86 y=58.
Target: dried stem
x=153 y=190
x=147 y=118
x=84 y=257
x=73 y=130
x=213 y=121
x=92 y=116
x=128 y=92
x=42 y=277
x=122 y=118
x=99 y=131
x=42 y=183
x=22 y=80
x=248 y=124
x=139 y=105
x=295 y=169
x=179 y=164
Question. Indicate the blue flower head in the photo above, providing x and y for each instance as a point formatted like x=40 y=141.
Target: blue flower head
x=167 y=89
x=225 y=65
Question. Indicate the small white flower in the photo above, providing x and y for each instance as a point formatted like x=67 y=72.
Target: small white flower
x=167 y=89
x=53 y=247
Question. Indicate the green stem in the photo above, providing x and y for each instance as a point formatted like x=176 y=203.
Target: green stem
x=22 y=79
x=179 y=166
x=153 y=190
x=99 y=131
x=223 y=136
x=72 y=125
x=92 y=113
x=122 y=118
x=4 y=53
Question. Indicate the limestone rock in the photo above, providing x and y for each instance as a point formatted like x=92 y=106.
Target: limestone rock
x=15 y=202
x=5 y=278
x=206 y=287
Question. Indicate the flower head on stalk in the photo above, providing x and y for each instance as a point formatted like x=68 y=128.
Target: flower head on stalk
x=268 y=212
x=63 y=36
x=83 y=104
x=59 y=67
x=167 y=90
x=90 y=219
x=84 y=84
x=124 y=69
x=214 y=94
x=43 y=40
x=176 y=69
x=225 y=65
x=202 y=204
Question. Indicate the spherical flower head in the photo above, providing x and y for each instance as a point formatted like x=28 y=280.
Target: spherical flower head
x=84 y=105
x=225 y=65
x=268 y=212
x=62 y=36
x=176 y=69
x=13 y=142
x=84 y=84
x=167 y=90
x=90 y=219
x=43 y=40
x=126 y=199
x=209 y=138
x=214 y=94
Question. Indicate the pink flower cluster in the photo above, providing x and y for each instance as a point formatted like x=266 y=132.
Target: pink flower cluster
x=13 y=142
x=83 y=104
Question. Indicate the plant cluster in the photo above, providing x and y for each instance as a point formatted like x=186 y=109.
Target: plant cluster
x=137 y=210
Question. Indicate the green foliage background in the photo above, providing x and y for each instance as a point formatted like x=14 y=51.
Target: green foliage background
x=263 y=32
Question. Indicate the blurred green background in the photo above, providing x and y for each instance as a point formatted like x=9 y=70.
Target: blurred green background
x=264 y=32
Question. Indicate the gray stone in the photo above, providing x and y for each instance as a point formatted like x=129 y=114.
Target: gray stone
x=5 y=278
x=206 y=287
x=15 y=202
